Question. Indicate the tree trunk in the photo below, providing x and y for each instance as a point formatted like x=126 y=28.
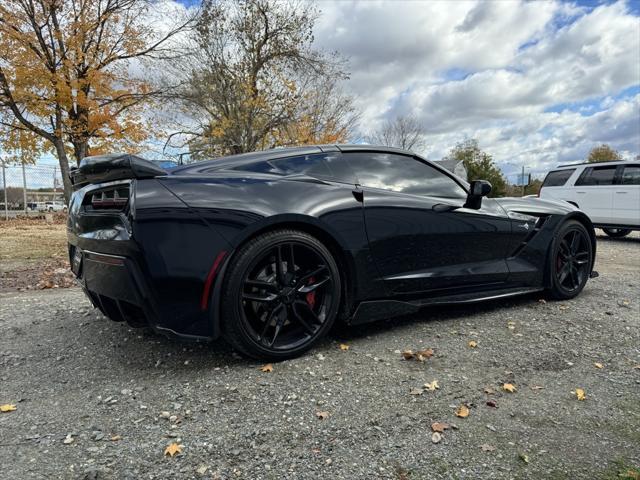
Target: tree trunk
x=64 y=169
x=80 y=149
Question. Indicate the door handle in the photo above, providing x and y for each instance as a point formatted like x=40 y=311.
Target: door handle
x=622 y=192
x=581 y=192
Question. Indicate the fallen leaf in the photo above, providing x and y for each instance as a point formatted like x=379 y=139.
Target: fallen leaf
x=7 y=407
x=508 y=387
x=172 y=449
x=68 y=439
x=416 y=391
x=636 y=367
x=462 y=411
x=432 y=386
x=268 y=368
x=439 y=426
x=492 y=403
x=115 y=438
x=407 y=354
x=436 y=437
x=472 y=344
x=322 y=415
x=427 y=353
x=511 y=325
x=487 y=448
x=580 y=394
x=598 y=365
x=524 y=457
x=344 y=347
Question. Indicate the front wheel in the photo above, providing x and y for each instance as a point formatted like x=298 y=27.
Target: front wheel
x=571 y=260
x=282 y=294
x=617 y=232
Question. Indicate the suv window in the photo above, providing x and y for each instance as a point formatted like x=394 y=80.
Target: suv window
x=401 y=173
x=557 y=178
x=324 y=166
x=597 y=176
x=631 y=175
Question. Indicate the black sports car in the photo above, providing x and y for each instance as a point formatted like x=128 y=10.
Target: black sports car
x=268 y=249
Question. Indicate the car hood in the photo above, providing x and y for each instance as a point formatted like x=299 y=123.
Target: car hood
x=535 y=205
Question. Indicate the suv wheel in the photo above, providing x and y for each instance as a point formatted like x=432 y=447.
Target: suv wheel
x=617 y=232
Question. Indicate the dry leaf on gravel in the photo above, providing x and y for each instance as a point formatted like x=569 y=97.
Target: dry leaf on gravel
x=436 y=437
x=407 y=354
x=416 y=391
x=472 y=344
x=524 y=457
x=580 y=394
x=7 y=407
x=426 y=353
x=492 y=403
x=439 y=426
x=68 y=440
x=462 y=411
x=487 y=448
x=509 y=387
x=432 y=386
x=268 y=368
x=598 y=365
x=344 y=347
x=322 y=415
x=116 y=438
x=420 y=355
x=172 y=449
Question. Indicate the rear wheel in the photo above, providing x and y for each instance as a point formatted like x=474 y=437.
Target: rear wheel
x=617 y=232
x=571 y=260
x=281 y=295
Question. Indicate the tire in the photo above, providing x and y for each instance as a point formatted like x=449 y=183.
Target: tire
x=273 y=313
x=617 y=232
x=570 y=261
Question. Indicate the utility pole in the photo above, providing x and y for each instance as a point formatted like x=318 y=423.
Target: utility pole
x=24 y=188
x=522 y=178
x=4 y=186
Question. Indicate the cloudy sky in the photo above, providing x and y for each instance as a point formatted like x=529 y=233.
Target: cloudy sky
x=537 y=83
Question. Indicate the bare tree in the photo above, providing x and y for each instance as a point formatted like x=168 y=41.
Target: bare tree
x=405 y=132
x=254 y=81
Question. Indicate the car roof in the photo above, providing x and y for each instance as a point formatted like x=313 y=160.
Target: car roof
x=592 y=164
x=275 y=153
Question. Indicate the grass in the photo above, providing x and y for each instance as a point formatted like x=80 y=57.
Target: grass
x=32 y=239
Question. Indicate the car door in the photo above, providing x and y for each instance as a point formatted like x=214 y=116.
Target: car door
x=421 y=236
x=626 y=197
x=594 y=193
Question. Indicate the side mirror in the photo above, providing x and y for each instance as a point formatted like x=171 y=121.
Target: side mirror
x=478 y=189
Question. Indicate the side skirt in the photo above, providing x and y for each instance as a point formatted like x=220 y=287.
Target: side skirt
x=373 y=310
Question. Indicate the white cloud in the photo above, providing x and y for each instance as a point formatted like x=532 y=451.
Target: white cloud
x=498 y=71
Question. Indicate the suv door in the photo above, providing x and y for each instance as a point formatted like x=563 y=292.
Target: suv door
x=594 y=192
x=420 y=235
x=626 y=197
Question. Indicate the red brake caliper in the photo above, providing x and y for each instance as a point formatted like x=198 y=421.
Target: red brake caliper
x=311 y=296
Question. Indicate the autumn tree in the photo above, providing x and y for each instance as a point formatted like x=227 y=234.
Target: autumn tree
x=253 y=81
x=479 y=165
x=66 y=73
x=603 y=153
x=405 y=132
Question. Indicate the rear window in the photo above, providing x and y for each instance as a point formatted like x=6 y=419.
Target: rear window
x=631 y=175
x=597 y=176
x=557 y=178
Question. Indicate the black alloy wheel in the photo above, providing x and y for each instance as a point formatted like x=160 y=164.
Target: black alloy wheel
x=617 y=232
x=282 y=295
x=572 y=260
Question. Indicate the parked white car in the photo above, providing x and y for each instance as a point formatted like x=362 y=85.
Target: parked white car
x=608 y=192
x=51 y=207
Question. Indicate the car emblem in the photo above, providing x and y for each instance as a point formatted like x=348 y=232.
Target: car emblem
x=525 y=226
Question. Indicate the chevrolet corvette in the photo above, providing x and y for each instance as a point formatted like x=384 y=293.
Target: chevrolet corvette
x=269 y=249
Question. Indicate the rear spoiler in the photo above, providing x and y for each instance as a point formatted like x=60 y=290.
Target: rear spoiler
x=106 y=168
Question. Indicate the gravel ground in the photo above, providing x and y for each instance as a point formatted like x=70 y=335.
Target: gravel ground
x=91 y=395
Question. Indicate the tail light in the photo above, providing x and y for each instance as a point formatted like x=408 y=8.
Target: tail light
x=113 y=198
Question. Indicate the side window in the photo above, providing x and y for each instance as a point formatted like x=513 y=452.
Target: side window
x=557 y=178
x=631 y=175
x=597 y=176
x=401 y=173
x=325 y=166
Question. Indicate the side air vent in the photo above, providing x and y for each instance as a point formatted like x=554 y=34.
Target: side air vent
x=112 y=198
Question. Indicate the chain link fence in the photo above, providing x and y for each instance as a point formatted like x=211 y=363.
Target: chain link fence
x=30 y=190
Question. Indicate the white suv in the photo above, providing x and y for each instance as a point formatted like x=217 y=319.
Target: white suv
x=608 y=192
